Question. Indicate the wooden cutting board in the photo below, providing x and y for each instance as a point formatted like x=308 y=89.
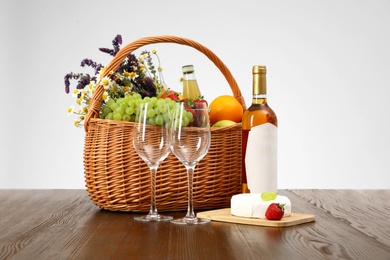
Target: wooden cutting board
x=224 y=215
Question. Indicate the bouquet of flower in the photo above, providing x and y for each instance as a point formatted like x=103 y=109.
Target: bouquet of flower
x=136 y=80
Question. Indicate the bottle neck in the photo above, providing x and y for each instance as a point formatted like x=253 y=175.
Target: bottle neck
x=259 y=88
x=259 y=99
x=189 y=76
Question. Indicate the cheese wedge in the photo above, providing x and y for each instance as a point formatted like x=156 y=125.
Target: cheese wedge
x=250 y=205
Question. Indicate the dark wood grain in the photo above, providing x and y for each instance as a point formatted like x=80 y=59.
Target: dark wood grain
x=334 y=235
x=64 y=224
x=366 y=210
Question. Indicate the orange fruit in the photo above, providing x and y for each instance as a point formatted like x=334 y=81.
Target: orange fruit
x=225 y=108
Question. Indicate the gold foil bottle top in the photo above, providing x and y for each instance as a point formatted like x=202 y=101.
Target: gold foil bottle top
x=259 y=80
x=259 y=69
x=188 y=69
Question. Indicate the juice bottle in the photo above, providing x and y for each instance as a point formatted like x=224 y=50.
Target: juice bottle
x=190 y=85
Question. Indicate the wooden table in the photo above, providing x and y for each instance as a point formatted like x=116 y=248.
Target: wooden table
x=64 y=224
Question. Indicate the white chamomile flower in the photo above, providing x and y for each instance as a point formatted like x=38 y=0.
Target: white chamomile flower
x=105 y=96
x=106 y=81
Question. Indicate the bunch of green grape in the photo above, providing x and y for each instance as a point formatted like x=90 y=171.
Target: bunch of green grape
x=126 y=108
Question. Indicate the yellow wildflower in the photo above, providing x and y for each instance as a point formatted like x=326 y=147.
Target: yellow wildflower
x=133 y=75
x=70 y=110
x=83 y=93
x=102 y=70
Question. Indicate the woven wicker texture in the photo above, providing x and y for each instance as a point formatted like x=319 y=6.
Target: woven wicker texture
x=118 y=179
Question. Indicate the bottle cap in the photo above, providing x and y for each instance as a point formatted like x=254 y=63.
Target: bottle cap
x=188 y=69
x=259 y=69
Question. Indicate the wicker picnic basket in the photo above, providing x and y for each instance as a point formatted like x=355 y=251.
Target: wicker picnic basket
x=118 y=179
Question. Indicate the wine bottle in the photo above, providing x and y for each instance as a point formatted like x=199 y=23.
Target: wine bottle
x=190 y=85
x=259 y=139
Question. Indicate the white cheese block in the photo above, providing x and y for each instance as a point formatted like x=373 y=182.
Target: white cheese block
x=250 y=205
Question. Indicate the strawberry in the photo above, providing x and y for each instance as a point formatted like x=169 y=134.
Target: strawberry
x=194 y=103
x=170 y=94
x=199 y=102
x=275 y=211
x=191 y=104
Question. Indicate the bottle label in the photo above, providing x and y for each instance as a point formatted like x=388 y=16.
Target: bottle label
x=261 y=158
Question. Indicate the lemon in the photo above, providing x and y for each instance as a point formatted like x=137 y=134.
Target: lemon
x=223 y=123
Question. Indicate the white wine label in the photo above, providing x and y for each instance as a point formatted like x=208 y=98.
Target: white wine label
x=261 y=158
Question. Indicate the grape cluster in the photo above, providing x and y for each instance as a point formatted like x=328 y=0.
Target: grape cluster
x=126 y=108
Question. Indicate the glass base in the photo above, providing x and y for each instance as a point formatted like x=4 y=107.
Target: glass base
x=190 y=221
x=150 y=218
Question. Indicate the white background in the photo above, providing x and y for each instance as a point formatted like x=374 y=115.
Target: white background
x=328 y=79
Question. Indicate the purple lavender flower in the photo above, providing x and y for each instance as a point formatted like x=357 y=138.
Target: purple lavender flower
x=67 y=82
x=67 y=79
x=107 y=50
x=116 y=44
x=149 y=87
x=91 y=63
x=129 y=64
x=83 y=80
x=142 y=84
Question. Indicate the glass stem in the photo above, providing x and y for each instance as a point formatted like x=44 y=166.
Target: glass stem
x=190 y=175
x=153 y=208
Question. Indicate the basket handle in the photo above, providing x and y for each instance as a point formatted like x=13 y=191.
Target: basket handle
x=96 y=100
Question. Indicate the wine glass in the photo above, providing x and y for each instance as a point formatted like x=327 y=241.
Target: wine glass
x=152 y=140
x=191 y=139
